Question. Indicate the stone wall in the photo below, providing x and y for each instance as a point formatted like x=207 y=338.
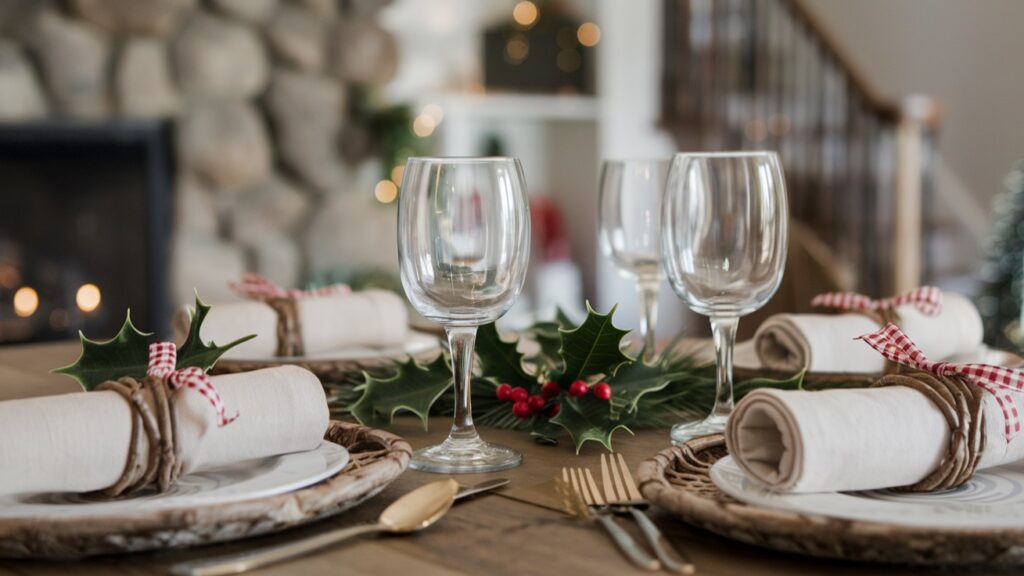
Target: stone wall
x=257 y=90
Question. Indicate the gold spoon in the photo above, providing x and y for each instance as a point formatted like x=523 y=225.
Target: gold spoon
x=413 y=511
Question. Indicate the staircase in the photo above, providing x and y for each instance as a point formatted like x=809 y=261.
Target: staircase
x=764 y=74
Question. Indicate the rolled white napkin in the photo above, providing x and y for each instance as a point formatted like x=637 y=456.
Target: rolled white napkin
x=79 y=442
x=826 y=343
x=836 y=440
x=371 y=318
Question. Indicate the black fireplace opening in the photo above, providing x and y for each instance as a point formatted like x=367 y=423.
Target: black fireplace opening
x=85 y=223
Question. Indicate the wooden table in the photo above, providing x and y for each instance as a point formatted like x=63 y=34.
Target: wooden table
x=495 y=535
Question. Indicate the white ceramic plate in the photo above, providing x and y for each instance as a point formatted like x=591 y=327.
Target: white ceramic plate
x=992 y=499
x=247 y=480
x=418 y=343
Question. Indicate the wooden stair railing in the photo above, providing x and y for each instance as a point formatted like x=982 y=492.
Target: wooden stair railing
x=765 y=74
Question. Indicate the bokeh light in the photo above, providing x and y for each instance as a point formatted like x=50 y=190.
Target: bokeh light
x=26 y=301
x=525 y=13
x=588 y=34
x=88 y=297
x=385 y=191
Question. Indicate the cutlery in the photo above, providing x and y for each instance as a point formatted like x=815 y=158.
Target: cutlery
x=413 y=511
x=581 y=482
x=485 y=486
x=622 y=496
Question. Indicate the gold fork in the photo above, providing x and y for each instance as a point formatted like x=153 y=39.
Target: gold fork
x=582 y=483
x=622 y=496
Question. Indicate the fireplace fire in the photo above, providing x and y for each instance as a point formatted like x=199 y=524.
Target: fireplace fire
x=79 y=205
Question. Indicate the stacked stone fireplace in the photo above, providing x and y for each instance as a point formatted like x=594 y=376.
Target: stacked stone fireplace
x=257 y=91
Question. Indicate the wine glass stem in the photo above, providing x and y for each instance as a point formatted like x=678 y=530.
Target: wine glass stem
x=723 y=329
x=461 y=340
x=648 y=291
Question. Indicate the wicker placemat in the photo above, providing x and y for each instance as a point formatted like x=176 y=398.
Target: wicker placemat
x=677 y=480
x=376 y=459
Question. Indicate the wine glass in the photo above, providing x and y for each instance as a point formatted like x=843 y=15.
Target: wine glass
x=629 y=214
x=463 y=248
x=724 y=232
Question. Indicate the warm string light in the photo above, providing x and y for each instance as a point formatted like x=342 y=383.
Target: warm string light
x=88 y=297
x=525 y=13
x=588 y=34
x=517 y=49
x=26 y=301
x=397 y=173
x=385 y=191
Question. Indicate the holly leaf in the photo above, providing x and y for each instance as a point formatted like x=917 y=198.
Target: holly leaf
x=193 y=352
x=588 y=419
x=632 y=381
x=499 y=359
x=126 y=354
x=592 y=348
x=413 y=387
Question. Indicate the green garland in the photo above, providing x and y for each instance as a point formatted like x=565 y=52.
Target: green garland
x=643 y=395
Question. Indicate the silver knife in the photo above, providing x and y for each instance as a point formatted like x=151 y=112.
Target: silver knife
x=486 y=485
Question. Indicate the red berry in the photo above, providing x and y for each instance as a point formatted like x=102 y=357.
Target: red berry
x=536 y=403
x=578 y=389
x=602 y=390
x=550 y=389
x=504 y=392
x=521 y=410
x=554 y=410
x=519 y=394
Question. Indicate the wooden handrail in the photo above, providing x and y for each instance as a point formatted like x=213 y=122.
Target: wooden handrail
x=885 y=108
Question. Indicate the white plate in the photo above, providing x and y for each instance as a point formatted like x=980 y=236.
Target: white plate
x=992 y=499
x=247 y=480
x=417 y=343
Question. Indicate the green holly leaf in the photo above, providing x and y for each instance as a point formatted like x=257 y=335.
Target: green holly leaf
x=588 y=419
x=413 y=387
x=193 y=352
x=592 y=348
x=632 y=381
x=126 y=354
x=499 y=359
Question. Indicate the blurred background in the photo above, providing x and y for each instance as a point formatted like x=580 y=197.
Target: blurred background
x=153 y=148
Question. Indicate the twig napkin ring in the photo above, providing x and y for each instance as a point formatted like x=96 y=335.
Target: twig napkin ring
x=956 y=389
x=927 y=299
x=284 y=302
x=153 y=413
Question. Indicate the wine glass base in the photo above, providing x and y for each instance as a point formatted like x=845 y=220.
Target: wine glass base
x=688 y=430
x=465 y=456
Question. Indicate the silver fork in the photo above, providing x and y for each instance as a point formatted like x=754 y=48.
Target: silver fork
x=582 y=483
x=622 y=496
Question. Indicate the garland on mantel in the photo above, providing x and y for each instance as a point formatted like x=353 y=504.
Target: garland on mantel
x=577 y=381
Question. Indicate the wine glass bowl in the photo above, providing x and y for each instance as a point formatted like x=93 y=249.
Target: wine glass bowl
x=725 y=224
x=629 y=216
x=464 y=247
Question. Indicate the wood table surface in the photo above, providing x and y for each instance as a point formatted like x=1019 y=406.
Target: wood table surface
x=498 y=534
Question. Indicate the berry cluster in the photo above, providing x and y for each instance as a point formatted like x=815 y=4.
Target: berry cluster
x=524 y=405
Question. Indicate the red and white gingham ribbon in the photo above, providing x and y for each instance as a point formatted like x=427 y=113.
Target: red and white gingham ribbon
x=256 y=287
x=998 y=381
x=927 y=299
x=163 y=357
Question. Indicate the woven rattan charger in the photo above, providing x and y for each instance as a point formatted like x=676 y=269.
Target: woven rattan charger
x=376 y=459
x=677 y=479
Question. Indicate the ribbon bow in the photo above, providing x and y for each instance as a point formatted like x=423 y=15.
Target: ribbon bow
x=927 y=299
x=163 y=356
x=998 y=381
x=256 y=287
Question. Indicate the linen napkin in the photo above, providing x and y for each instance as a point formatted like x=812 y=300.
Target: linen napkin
x=371 y=318
x=826 y=343
x=857 y=439
x=79 y=442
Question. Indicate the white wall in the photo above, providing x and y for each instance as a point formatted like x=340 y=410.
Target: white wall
x=628 y=83
x=967 y=54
